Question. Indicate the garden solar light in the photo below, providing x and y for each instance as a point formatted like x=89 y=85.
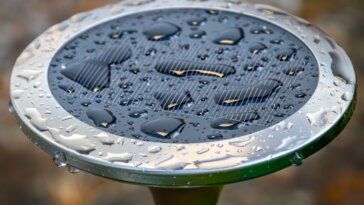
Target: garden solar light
x=182 y=96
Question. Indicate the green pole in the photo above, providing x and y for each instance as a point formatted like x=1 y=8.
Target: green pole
x=186 y=196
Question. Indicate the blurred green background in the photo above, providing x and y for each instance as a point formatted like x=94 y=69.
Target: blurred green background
x=334 y=176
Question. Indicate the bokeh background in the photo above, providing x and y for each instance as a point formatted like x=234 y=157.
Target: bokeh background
x=334 y=176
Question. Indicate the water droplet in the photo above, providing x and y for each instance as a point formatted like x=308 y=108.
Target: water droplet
x=105 y=139
x=134 y=70
x=287 y=54
x=138 y=2
x=297 y=159
x=118 y=157
x=215 y=137
x=184 y=68
x=338 y=67
x=212 y=12
x=36 y=119
x=125 y=86
x=172 y=163
x=253 y=67
x=59 y=159
x=80 y=17
x=185 y=47
x=319 y=118
x=67 y=88
x=266 y=9
x=243 y=142
x=233 y=121
x=163 y=127
x=202 y=112
x=154 y=149
x=243 y=96
x=301 y=95
x=197 y=21
x=161 y=31
x=71 y=128
x=257 y=48
x=172 y=101
x=73 y=170
x=263 y=30
x=203 y=150
x=17 y=94
x=151 y=52
x=277 y=41
x=126 y=102
x=347 y=96
x=29 y=75
x=294 y=71
x=76 y=142
x=220 y=162
x=230 y=36
x=101 y=118
x=94 y=73
x=198 y=34
x=317 y=39
x=86 y=104
x=138 y=114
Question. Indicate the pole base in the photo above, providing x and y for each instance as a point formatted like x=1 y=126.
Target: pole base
x=184 y=196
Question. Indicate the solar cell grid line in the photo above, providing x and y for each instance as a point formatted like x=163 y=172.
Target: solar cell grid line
x=191 y=85
x=283 y=80
x=136 y=92
x=268 y=76
x=249 y=80
x=291 y=81
x=115 y=82
x=109 y=64
x=221 y=84
x=87 y=74
x=254 y=59
x=164 y=59
x=129 y=82
x=210 y=92
x=195 y=82
x=83 y=75
x=287 y=85
x=276 y=97
x=217 y=90
x=79 y=75
x=110 y=92
x=158 y=88
x=179 y=65
x=171 y=97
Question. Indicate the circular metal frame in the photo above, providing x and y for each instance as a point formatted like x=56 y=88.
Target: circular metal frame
x=49 y=126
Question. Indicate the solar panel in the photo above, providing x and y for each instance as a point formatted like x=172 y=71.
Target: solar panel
x=220 y=73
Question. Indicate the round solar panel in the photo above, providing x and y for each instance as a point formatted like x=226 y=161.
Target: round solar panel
x=183 y=75
x=182 y=93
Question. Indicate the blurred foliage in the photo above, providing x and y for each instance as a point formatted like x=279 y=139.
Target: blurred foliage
x=334 y=176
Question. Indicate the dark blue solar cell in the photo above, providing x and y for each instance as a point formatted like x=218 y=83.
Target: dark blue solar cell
x=183 y=75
